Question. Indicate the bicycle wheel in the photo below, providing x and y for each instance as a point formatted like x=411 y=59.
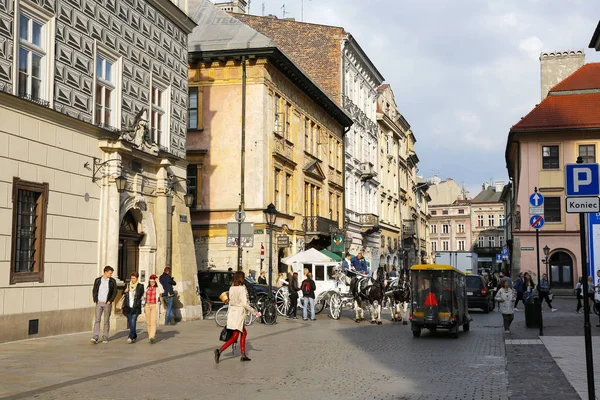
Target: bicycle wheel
x=282 y=298
x=270 y=314
x=221 y=316
x=250 y=317
x=320 y=306
x=261 y=300
x=206 y=308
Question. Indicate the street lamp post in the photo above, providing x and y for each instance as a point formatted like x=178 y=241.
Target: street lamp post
x=546 y=252
x=271 y=216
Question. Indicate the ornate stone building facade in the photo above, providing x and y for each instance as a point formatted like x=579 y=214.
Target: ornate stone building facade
x=93 y=94
x=392 y=139
x=336 y=62
x=294 y=145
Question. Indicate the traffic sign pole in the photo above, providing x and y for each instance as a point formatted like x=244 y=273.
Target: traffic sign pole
x=535 y=223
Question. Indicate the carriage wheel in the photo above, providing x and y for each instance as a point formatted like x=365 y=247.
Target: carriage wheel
x=335 y=306
x=221 y=316
x=282 y=298
x=320 y=306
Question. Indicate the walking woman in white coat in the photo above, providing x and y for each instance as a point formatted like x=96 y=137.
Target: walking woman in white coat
x=238 y=305
x=505 y=298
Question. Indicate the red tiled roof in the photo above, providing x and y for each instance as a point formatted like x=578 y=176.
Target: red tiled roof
x=585 y=78
x=574 y=111
x=566 y=107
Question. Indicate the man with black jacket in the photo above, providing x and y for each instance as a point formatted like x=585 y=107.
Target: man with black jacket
x=308 y=291
x=167 y=282
x=103 y=294
x=294 y=289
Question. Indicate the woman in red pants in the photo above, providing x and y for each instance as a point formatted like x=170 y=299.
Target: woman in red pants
x=238 y=305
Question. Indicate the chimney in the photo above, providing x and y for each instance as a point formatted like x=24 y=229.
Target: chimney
x=485 y=186
x=557 y=65
x=499 y=186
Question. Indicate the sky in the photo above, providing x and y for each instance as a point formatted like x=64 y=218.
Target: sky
x=463 y=71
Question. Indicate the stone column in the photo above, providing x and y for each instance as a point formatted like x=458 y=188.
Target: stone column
x=162 y=214
x=110 y=206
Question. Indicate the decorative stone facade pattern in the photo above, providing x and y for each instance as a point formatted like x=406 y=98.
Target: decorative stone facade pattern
x=149 y=43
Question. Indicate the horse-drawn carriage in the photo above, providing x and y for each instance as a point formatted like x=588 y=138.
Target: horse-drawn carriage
x=332 y=291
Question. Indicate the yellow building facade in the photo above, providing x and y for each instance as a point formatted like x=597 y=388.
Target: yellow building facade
x=294 y=156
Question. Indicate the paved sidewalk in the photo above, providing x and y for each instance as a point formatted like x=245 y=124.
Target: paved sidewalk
x=536 y=367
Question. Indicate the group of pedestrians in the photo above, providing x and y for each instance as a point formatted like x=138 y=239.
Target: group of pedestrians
x=510 y=293
x=135 y=299
x=593 y=291
x=307 y=287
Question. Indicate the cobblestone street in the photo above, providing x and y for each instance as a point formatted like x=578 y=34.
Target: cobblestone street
x=323 y=359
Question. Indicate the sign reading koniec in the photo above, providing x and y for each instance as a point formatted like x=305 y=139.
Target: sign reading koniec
x=583 y=205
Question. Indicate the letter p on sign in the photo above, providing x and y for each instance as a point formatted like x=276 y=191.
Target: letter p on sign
x=582 y=180
x=581 y=177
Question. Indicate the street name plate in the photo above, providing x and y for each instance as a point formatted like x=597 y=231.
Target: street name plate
x=583 y=205
x=526 y=248
x=536 y=210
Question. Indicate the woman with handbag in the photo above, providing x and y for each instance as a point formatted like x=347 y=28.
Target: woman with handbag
x=579 y=294
x=132 y=305
x=238 y=306
x=151 y=297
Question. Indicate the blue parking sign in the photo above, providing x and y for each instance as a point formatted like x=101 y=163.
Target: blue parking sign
x=582 y=180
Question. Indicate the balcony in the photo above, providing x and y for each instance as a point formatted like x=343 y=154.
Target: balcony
x=368 y=220
x=409 y=227
x=367 y=171
x=319 y=225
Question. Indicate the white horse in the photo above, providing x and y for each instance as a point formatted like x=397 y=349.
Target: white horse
x=400 y=293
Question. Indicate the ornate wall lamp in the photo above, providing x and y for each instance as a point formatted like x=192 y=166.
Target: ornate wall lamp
x=120 y=181
x=188 y=198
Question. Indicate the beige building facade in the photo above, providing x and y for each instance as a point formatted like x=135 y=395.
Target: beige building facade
x=92 y=166
x=294 y=147
x=488 y=221
x=391 y=140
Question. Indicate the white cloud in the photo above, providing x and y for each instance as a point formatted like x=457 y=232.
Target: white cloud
x=532 y=46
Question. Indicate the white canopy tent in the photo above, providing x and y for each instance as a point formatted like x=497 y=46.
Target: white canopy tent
x=319 y=264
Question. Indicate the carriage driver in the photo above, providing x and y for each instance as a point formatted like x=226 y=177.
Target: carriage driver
x=359 y=264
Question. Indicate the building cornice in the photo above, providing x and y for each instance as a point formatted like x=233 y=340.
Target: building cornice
x=287 y=67
x=175 y=14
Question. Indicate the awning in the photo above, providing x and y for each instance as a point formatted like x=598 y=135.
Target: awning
x=332 y=255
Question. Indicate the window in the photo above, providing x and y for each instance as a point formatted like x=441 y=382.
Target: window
x=491 y=241
x=461 y=211
x=433 y=212
x=330 y=206
x=444 y=245
x=461 y=245
x=312 y=200
x=588 y=153
x=460 y=228
x=500 y=241
x=288 y=194
x=480 y=241
x=444 y=212
x=501 y=220
x=195 y=108
x=307 y=136
x=30 y=202
x=159 y=125
x=445 y=228
x=288 y=121
x=192 y=179
x=277 y=116
x=433 y=228
x=34 y=43
x=480 y=220
x=434 y=246
x=552 y=209
x=105 y=92
x=339 y=209
x=490 y=220
x=277 y=188
x=549 y=157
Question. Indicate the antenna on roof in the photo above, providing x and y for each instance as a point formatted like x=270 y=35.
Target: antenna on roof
x=283 y=8
x=263 y=9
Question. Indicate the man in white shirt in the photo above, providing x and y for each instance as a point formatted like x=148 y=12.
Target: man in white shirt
x=103 y=293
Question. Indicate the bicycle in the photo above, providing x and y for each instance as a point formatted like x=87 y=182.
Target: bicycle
x=267 y=306
x=207 y=304
x=221 y=316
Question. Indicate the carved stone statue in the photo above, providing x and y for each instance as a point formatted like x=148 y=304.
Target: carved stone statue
x=139 y=135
